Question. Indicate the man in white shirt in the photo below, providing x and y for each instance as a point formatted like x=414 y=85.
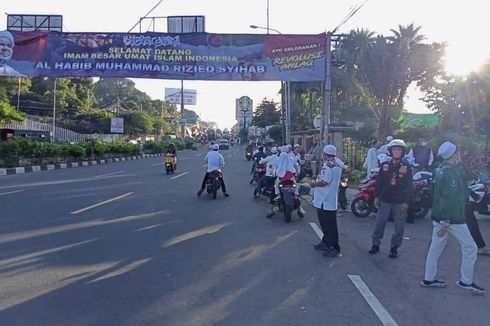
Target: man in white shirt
x=269 y=176
x=383 y=149
x=215 y=162
x=371 y=162
x=325 y=198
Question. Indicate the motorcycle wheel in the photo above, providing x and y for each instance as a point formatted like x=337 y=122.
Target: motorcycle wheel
x=215 y=188
x=419 y=212
x=360 y=207
x=288 y=210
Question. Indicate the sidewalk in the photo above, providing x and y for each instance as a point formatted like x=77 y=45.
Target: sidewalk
x=68 y=165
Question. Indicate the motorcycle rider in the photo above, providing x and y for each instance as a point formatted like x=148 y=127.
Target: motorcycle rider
x=171 y=150
x=393 y=189
x=215 y=162
x=260 y=154
x=325 y=198
x=269 y=176
x=450 y=194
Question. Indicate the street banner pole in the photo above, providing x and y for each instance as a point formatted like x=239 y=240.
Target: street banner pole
x=182 y=123
x=327 y=91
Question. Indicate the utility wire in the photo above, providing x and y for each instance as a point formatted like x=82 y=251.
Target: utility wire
x=350 y=15
x=149 y=12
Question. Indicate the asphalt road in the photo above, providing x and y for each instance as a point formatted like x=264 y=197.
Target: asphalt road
x=125 y=244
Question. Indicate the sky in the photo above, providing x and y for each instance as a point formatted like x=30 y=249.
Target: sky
x=459 y=24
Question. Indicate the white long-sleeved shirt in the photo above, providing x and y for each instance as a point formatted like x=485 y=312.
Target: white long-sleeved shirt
x=371 y=160
x=271 y=162
x=214 y=160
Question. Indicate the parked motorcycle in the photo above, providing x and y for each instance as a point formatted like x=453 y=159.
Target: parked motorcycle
x=483 y=182
x=420 y=202
x=213 y=184
x=343 y=202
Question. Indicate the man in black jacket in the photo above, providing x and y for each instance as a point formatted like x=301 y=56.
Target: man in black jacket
x=393 y=190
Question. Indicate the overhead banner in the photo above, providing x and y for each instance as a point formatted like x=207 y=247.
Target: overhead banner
x=193 y=56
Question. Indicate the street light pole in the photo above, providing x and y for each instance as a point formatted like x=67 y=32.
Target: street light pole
x=18 y=93
x=326 y=97
x=54 y=109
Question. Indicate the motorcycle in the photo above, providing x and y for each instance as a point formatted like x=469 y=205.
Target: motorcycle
x=343 y=202
x=258 y=171
x=248 y=155
x=483 y=182
x=363 y=203
x=420 y=201
x=213 y=184
x=288 y=201
x=170 y=163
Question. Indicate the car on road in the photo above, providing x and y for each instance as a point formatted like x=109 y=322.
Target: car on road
x=224 y=144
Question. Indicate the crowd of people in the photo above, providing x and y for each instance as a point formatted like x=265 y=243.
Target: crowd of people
x=450 y=208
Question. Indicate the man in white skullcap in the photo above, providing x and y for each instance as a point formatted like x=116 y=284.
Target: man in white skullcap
x=450 y=194
x=383 y=149
x=6 y=51
x=325 y=199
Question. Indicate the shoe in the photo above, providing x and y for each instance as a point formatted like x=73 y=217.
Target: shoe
x=374 y=250
x=393 y=253
x=331 y=252
x=484 y=251
x=433 y=284
x=226 y=195
x=320 y=246
x=199 y=193
x=471 y=287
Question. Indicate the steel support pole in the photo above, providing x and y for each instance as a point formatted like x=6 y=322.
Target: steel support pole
x=182 y=124
x=54 y=109
x=327 y=90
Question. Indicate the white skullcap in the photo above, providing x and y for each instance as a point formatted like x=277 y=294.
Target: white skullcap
x=389 y=138
x=446 y=150
x=330 y=150
x=274 y=150
x=297 y=145
x=215 y=147
x=7 y=35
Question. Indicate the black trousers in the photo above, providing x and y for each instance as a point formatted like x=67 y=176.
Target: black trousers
x=473 y=226
x=328 y=222
x=220 y=178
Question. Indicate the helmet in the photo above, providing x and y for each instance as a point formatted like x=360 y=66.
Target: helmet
x=215 y=147
x=171 y=145
x=389 y=138
x=397 y=143
x=274 y=150
x=330 y=150
x=261 y=149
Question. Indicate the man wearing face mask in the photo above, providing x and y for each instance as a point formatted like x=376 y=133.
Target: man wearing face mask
x=422 y=155
x=6 y=51
x=393 y=190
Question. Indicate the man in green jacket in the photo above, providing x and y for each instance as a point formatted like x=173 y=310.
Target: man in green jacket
x=450 y=194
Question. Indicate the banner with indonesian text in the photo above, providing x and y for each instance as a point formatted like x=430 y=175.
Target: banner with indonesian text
x=194 y=56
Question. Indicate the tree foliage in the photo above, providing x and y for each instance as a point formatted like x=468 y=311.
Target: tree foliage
x=8 y=114
x=266 y=114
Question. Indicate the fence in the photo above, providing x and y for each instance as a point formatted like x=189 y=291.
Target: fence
x=354 y=153
x=62 y=134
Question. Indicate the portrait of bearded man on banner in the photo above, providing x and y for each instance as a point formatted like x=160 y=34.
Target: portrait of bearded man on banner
x=7 y=43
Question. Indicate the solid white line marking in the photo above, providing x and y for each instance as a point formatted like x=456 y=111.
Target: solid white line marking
x=108 y=174
x=317 y=230
x=184 y=158
x=205 y=166
x=179 y=175
x=373 y=302
x=11 y=192
x=197 y=155
x=158 y=164
x=101 y=203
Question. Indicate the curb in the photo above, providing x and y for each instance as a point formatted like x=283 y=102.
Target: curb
x=58 y=166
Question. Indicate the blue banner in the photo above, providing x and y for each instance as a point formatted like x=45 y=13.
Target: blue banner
x=194 y=56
